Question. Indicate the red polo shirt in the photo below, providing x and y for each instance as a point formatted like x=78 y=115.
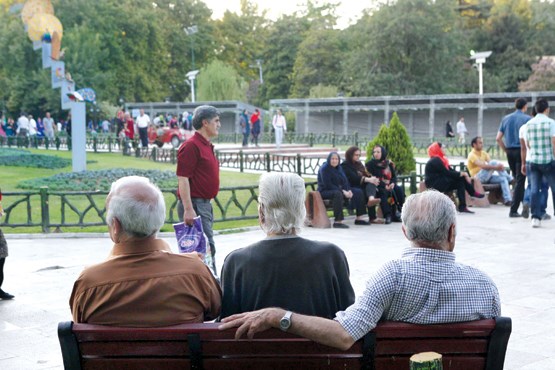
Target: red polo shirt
x=196 y=160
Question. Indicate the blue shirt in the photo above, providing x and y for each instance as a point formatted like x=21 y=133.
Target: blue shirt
x=425 y=286
x=510 y=124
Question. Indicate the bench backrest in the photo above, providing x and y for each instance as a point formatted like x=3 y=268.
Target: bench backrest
x=474 y=345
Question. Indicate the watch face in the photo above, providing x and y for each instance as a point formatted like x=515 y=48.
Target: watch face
x=285 y=323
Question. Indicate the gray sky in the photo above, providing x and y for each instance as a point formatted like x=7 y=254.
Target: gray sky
x=348 y=9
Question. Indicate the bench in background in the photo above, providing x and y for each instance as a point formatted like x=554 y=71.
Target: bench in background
x=471 y=345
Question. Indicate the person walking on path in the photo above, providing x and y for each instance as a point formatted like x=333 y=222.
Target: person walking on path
x=255 y=129
x=143 y=121
x=245 y=126
x=540 y=156
x=508 y=140
x=280 y=126
x=198 y=172
x=461 y=131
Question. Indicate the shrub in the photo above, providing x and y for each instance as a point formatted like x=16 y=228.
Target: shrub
x=98 y=180
x=24 y=158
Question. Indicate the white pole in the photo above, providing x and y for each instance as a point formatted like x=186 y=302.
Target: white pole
x=193 y=89
x=78 y=137
x=480 y=77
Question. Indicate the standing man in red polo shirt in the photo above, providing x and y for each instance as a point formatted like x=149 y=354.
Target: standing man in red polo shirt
x=198 y=171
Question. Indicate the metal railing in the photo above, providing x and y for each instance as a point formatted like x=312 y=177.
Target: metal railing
x=54 y=210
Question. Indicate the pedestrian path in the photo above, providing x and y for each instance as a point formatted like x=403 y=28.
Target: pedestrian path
x=40 y=272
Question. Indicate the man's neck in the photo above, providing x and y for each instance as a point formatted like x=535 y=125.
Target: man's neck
x=204 y=134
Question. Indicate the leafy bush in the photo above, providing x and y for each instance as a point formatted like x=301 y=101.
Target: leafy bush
x=397 y=142
x=99 y=180
x=24 y=158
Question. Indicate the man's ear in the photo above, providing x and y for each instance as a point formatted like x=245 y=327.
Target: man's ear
x=404 y=232
x=261 y=214
x=451 y=235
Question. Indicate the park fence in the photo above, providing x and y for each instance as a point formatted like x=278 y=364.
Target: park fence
x=54 y=210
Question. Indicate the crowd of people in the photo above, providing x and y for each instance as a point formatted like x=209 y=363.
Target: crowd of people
x=27 y=127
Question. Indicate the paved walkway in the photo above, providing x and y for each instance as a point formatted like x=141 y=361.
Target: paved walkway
x=40 y=272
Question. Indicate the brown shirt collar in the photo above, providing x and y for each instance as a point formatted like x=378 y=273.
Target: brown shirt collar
x=146 y=245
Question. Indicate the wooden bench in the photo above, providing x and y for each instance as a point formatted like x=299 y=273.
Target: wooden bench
x=471 y=345
x=317 y=210
x=493 y=191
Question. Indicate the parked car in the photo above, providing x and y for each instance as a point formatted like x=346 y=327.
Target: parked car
x=162 y=135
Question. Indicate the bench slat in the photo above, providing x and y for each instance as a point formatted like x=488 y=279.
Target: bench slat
x=135 y=364
x=443 y=346
x=212 y=348
x=481 y=328
x=281 y=364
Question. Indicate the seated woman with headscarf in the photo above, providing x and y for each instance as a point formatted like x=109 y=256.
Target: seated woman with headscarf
x=382 y=168
x=333 y=185
x=359 y=177
x=438 y=175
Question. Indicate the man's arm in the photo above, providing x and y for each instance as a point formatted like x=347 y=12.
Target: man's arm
x=553 y=144
x=185 y=194
x=499 y=139
x=523 y=151
x=318 y=329
x=486 y=166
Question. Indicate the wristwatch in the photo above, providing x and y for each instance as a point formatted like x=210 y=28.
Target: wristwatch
x=285 y=322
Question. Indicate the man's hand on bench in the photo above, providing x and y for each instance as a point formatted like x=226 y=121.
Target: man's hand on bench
x=321 y=330
x=253 y=322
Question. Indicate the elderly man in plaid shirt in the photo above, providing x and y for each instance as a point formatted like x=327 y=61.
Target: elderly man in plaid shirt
x=424 y=286
x=540 y=156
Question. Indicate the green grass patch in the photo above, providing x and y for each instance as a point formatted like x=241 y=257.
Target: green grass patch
x=24 y=158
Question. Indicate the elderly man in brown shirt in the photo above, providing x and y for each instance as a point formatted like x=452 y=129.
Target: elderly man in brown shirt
x=142 y=283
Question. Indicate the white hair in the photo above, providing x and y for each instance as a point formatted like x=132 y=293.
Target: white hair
x=427 y=217
x=138 y=205
x=281 y=200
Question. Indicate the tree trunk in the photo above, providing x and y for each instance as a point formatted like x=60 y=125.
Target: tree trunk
x=426 y=361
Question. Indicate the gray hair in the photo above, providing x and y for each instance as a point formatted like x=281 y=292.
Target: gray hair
x=427 y=217
x=203 y=112
x=138 y=204
x=281 y=200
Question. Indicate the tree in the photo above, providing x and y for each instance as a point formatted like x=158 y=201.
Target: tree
x=219 y=81
x=405 y=47
x=323 y=91
x=284 y=38
x=542 y=77
x=240 y=39
x=316 y=62
x=395 y=139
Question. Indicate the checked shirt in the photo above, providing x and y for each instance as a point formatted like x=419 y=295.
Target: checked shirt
x=425 y=286
x=538 y=135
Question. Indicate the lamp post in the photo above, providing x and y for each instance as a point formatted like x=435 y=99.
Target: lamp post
x=259 y=66
x=190 y=31
x=480 y=58
x=192 y=75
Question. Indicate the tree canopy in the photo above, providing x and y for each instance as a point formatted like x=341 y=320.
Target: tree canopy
x=139 y=50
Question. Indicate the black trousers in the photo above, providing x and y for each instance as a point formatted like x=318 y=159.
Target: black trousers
x=2 y=261
x=143 y=135
x=515 y=164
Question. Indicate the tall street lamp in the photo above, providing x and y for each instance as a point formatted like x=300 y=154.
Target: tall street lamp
x=190 y=31
x=192 y=75
x=480 y=58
